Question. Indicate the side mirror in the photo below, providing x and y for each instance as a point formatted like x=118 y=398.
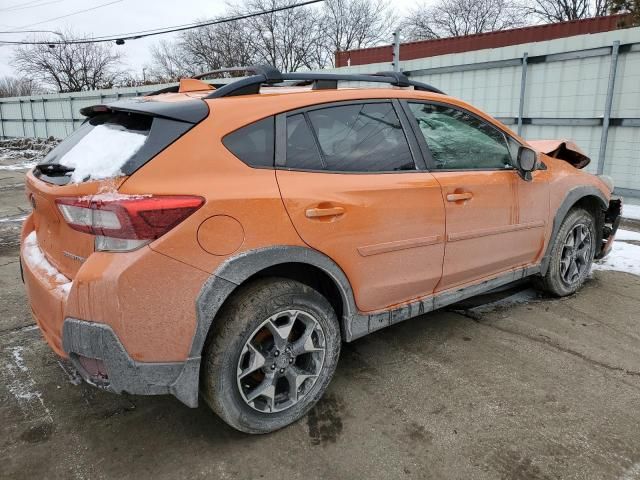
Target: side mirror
x=527 y=162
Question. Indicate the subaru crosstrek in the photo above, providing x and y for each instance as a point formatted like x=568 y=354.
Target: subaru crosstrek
x=221 y=241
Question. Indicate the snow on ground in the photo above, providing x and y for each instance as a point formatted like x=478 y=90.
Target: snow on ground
x=101 y=153
x=624 y=256
x=631 y=211
x=22 y=386
x=25 y=165
x=24 y=153
x=622 y=234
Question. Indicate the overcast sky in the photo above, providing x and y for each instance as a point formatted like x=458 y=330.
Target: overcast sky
x=117 y=16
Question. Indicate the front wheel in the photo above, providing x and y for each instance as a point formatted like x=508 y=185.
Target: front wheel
x=571 y=255
x=270 y=356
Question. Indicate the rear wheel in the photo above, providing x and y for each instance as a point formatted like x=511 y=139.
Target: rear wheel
x=571 y=255
x=270 y=356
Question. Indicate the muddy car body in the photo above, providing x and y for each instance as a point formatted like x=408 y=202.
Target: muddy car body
x=254 y=227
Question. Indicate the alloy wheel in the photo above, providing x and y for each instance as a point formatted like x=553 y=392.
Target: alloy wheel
x=281 y=361
x=576 y=253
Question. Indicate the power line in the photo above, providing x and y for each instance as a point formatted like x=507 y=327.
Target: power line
x=71 y=14
x=29 y=5
x=13 y=32
x=160 y=31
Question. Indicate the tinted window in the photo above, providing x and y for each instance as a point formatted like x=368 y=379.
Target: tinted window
x=302 y=151
x=361 y=138
x=458 y=140
x=253 y=144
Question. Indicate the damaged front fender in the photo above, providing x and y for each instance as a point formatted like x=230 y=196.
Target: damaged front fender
x=563 y=150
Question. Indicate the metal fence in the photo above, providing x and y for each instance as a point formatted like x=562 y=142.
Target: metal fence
x=56 y=115
x=585 y=88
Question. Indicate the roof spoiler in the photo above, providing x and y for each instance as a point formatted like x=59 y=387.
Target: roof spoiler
x=189 y=111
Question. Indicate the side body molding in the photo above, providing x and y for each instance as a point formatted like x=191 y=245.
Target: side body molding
x=571 y=198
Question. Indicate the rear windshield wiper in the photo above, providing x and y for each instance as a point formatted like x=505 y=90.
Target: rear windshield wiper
x=53 y=169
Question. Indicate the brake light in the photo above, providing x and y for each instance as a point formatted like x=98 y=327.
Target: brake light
x=126 y=222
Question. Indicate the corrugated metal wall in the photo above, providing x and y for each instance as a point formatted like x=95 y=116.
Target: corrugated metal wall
x=56 y=115
x=564 y=95
x=565 y=92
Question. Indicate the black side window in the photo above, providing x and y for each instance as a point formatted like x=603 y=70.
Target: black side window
x=351 y=138
x=253 y=144
x=458 y=140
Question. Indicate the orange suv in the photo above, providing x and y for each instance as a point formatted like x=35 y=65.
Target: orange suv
x=225 y=239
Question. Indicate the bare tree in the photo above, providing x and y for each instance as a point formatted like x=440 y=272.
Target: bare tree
x=352 y=24
x=69 y=67
x=203 y=49
x=18 y=86
x=304 y=37
x=550 y=11
x=287 y=39
x=453 y=18
x=631 y=8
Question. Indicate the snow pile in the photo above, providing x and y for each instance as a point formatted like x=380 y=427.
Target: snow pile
x=624 y=257
x=102 y=152
x=37 y=261
x=631 y=211
x=24 y=153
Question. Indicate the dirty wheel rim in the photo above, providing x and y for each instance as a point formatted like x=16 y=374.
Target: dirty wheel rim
x=576 y=253
x=281 y=361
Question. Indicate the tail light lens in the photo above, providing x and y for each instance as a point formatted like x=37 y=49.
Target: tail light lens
x=128 y=222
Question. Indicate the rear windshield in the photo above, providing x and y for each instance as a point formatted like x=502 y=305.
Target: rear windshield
x=102 y=145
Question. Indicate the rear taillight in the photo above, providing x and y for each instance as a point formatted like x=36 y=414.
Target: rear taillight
x=126 y=222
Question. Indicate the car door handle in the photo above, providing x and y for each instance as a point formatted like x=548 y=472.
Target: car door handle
x=324 y=212
x=456 y=197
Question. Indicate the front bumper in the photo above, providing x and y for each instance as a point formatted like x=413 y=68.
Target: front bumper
x=611 y=223
x=97 y=341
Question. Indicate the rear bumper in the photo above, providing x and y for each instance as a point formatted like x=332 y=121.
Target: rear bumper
x=611 y=223
x=97 y=341
x=48 y=294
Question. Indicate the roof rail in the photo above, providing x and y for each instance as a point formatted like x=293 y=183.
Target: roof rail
x=271 y=75
x=268 y=75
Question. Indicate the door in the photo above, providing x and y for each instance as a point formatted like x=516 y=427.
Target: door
x=348 y=179
x=495 y=220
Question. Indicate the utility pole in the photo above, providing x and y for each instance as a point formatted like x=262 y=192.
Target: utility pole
x=395 y=63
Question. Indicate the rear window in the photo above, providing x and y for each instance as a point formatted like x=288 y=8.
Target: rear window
x=253 y=144
x=102 y=145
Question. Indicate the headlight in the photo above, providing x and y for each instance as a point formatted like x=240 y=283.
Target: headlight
x=608 y=181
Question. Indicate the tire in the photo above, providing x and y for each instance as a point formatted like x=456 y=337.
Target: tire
x=561 y=278
x=229 y=378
